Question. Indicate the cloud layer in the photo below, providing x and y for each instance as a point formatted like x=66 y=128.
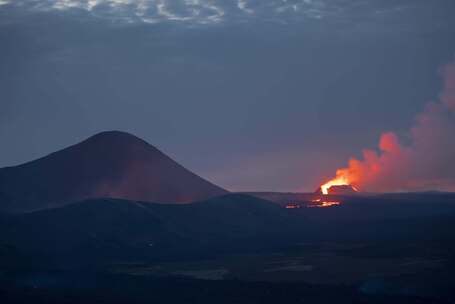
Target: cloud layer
x=208 y=11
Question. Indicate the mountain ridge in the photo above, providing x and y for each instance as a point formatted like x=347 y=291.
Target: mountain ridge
x=110 y=164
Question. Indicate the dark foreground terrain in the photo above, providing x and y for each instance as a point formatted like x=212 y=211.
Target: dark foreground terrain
x=232 y=249
x=96 y=288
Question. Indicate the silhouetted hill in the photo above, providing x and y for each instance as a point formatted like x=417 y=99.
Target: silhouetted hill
x=143 y=238
x=110 y=164
x=88 y=231
x=100 y=230
x=230 y=216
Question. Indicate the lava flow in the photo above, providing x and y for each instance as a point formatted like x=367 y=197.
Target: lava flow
x=337 y=186
x=328 y=194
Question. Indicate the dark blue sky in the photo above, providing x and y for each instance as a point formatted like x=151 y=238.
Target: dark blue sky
x=252 y=95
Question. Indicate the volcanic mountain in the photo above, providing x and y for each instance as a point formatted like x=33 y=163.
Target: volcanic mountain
x=110 y=164
x=339 y=190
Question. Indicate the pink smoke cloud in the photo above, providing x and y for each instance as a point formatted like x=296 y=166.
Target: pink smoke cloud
x=426 y=163
x=448 y=96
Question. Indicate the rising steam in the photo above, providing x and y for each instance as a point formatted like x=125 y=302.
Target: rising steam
x=427 y=162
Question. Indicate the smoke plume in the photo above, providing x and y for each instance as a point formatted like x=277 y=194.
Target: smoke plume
x=425 y=162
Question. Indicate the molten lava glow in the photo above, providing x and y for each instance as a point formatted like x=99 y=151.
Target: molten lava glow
x=324 y=204
x=340 y=180
x=329 y=204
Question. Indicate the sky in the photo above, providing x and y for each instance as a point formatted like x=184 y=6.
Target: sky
x=254 y=95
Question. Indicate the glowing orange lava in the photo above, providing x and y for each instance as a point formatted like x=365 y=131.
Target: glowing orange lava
x=343 y=178
x=325 y=204
x=337 y=181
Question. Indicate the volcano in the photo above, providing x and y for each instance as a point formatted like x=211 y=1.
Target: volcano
x=342 y=190
x=110 y=164
x=339 y=190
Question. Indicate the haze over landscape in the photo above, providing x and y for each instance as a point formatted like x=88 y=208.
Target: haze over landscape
x=227 y=151
x=272 y=90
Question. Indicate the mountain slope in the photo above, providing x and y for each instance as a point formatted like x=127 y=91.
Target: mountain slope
x=110 y=164
x=109 y=229
x=106 y=230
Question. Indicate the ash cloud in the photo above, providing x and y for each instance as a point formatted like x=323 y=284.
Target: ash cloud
x=427 y=162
